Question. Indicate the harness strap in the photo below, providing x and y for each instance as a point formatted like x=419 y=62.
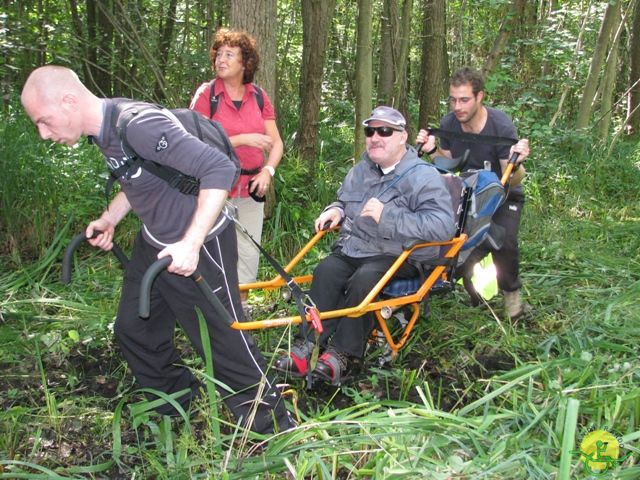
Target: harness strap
x=472 y=137
x=185 y=184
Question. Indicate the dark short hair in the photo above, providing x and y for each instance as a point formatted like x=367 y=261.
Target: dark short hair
x=466 y=76
x=248 y=47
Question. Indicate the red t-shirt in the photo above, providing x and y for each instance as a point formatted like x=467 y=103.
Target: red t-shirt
x=247 y=119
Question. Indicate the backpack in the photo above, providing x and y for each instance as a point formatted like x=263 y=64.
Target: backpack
x=485 y=194
x=213 y=99
x=208 y=131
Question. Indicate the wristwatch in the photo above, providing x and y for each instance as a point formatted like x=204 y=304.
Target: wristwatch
x=433 y=150
x=270 y=169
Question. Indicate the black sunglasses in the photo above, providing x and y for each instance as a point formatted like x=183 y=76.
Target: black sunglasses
x=382 y=131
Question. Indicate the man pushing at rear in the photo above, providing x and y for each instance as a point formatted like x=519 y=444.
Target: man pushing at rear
x=469 y=115
x=192 y=229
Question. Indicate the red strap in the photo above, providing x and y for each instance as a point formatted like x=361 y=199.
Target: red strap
x=314 y=316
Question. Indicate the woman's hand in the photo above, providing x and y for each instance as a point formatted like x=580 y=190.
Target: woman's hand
x=260 y=183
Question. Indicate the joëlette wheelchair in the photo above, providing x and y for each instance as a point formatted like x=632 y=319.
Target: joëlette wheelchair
x=387 y=295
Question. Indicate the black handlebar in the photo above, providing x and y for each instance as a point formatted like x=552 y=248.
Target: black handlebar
x=72 y=247
x=144 y=305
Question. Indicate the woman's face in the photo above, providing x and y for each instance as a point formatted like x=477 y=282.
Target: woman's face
x=228 y=63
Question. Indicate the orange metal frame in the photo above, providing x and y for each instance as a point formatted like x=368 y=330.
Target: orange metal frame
x=371 y=303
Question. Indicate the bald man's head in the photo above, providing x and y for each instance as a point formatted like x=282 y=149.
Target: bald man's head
x=62 y=108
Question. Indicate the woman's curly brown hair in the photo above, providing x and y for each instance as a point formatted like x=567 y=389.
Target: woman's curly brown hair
x=247 y=44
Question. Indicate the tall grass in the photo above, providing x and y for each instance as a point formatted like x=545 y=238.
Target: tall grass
x=469 y=398
x=43 y=187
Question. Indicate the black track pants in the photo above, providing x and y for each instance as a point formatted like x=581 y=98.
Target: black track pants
x=507 y=259
x=340 y=281
x=148 y=345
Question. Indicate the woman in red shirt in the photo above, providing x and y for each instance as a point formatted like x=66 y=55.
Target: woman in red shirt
x=248 y=117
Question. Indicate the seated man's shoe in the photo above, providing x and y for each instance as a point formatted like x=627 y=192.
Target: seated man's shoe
x=332 y=366
x=295 y=362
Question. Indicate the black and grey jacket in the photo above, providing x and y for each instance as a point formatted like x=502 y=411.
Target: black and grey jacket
x=417 y=206
x=156 y=136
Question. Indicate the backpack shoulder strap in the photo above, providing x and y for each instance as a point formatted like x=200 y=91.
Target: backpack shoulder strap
x=259 y=96
x=121 y=116
x=125 y=113
x=196 y=122
x=213 y=100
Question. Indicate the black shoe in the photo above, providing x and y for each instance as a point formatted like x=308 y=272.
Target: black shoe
x=332 y=366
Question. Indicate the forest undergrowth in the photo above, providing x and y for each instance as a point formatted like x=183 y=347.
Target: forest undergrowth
x=472 y=396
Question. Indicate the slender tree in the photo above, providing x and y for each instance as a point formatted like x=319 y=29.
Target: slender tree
x=599 y=53
x=609 y=79
x=387 y=57
x=76 y=22
x=165 y=39
x=514 y=16
x=104 y=46
x=401 y=68
x=316 y=20
x=364 y=73
x=572 y=68
x=434 y=68
x=633 y=97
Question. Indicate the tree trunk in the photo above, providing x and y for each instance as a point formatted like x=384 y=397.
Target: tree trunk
x=364 y=73
x=104 y=31
x=547 y=8
x=401 y=69
x=132 y=26
x=77 y=28
x=599 y=53
x=92 y=44
x=633 y=97
x=345 y=51
x=209 y=7
x=515 y=14
x=576 y=50
x=124 y=68
x=434 y=69
x=316 y=20
x=257 y=18
x=609 y=80
x=165 y=39
x=43 y=37
x=386 y=66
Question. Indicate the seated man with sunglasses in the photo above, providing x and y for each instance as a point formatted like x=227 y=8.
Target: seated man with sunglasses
x=388 y=199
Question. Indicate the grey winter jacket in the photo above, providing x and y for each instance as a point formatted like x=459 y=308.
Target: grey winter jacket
x=417 y=206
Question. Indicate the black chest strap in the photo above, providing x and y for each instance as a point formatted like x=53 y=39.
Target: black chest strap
x=186 y=184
